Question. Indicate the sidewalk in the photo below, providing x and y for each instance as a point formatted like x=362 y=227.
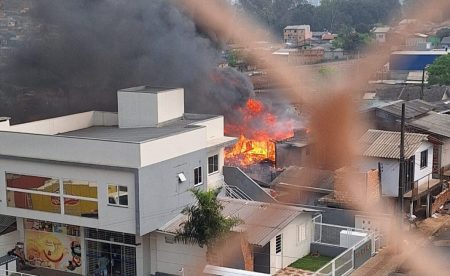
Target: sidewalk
x=387 y=261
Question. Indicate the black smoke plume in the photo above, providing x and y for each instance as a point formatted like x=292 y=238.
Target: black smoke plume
x=80 y=52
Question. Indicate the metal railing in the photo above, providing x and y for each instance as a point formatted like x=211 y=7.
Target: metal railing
x=345 y=263
x=337 y=235
x=236 y=192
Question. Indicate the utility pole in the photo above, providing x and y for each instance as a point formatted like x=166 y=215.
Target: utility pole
x=401 y=177
x=423 y=81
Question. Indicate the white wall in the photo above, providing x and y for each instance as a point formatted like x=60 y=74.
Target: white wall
x=137 y=109
x=69 y=149
x=389 y=173
x=173 y=146
x=214 y=127
x=8 y=242
x=120 y=219
x=419 y=173
x=292 y=250
x=445 y=155
x=170 y=258
x=216 y=179
x=170 y=105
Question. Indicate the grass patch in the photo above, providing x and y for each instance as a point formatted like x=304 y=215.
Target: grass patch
x=311 y=263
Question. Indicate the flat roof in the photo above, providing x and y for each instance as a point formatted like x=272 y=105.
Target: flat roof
x=147 y=89
x=142 y=134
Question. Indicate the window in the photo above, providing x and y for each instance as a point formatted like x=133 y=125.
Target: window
x=301 y=233
x=32 y=183
x=33 y=201
x=198 y=176
x=278 y=244
x=424 y=159
x=118 y=195
x=213 y=164
x=80 y=198
x=80 y=188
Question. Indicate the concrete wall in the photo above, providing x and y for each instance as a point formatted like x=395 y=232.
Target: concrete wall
x=216 y=179
x=420 y=174
x=389 y=173
x=445 y=155
x=170 y=105
x=137 y=109
x=8 y=242
x=292 y=248
x=161 y=195
x=171 y=257
x=120 y=219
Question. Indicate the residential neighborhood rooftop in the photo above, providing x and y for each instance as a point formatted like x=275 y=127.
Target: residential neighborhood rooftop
x=263 y=220
x=386 y=144
x=413 y=108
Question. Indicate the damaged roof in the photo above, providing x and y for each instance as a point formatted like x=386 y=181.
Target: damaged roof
x=262 y=221
x=305 y=177
x=386 y=144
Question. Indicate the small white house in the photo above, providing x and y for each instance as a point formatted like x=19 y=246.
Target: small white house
x=381 y=149
x=278 y=234
x=381 y=33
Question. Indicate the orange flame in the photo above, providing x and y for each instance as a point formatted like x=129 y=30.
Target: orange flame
x=258 y=131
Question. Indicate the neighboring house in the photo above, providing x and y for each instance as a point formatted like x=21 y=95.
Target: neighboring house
x=417 y=41
x=394 y=92
x=381 y=34
x=98 y=183
x=297 y=35
x=381 y=149
x=334 y=54
x=445 y=42
x=438 y=126
x=278 y=234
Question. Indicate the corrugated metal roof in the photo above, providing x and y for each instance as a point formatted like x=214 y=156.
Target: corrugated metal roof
x=413 y=108
x=262 y=221
x=434 y=123
x=305 y=177
x=386 y=144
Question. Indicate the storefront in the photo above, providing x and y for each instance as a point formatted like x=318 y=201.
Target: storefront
x=53 y=245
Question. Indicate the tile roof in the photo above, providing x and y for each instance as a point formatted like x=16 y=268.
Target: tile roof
x=435 y=123
x=445 y=40
x=262 y=221
x=386 y=144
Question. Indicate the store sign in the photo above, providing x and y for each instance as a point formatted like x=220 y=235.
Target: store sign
x=362 y=253
x=53 y=245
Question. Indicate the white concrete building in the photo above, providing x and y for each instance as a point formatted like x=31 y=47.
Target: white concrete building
x=94 y=185
x=381 y=34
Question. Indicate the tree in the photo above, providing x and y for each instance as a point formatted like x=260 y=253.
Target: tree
x=443 y=33
x=351 y=41
x=439 y=71
x=206 y=226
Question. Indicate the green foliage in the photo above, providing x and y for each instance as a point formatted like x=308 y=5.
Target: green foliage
x=233 y=58
x=311 y=263
x=332 y=15
x=326 y=72
x=351 y=41
x=439 y=71
x=205 y=224
x=443 y=33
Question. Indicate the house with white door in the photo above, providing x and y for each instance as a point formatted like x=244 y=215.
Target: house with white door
x=381 y=150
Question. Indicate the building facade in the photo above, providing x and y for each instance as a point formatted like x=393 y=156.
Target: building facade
x=88 y=189
x=297 y=35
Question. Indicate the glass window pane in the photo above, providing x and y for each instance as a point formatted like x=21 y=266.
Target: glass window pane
x=80 y=208
x=34 y=183
x=44 y=203
x=123 y=195
x=80 y=188
x=113 y=196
